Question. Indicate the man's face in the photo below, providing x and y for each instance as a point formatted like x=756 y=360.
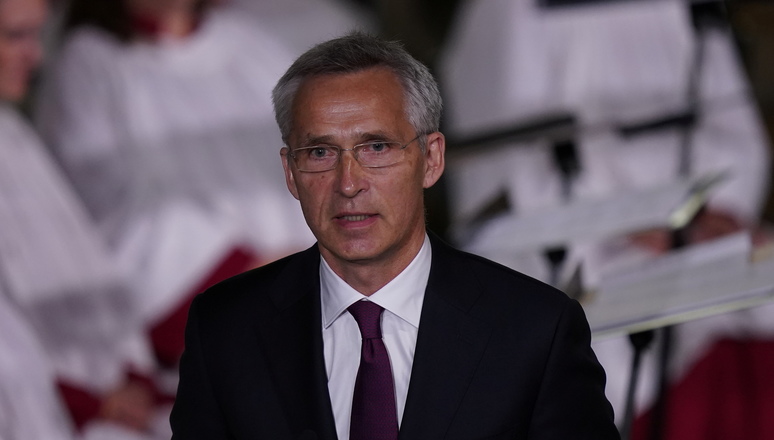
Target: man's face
x=361 y=215
x=20 y=50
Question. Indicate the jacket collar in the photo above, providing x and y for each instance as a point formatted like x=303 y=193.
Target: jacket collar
x=450 y=344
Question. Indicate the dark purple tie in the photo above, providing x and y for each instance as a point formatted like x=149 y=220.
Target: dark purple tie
x=373 y=404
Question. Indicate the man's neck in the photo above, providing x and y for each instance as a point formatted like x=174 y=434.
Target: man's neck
x=368 y=276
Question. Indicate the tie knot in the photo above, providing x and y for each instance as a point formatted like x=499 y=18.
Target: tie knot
x=367 y=315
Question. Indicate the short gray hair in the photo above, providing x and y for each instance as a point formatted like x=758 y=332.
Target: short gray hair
x=355 y=52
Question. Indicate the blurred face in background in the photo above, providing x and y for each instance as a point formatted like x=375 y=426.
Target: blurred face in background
x=175 y=18
x=159 y=6
x=21 y=22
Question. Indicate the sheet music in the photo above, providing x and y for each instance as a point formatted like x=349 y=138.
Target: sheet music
x=700 y=281
x=591 y=219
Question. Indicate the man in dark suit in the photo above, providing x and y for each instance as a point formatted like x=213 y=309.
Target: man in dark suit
x=380 y=331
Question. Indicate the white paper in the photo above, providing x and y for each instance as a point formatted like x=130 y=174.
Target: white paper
x=700 y=281
x=593 y=219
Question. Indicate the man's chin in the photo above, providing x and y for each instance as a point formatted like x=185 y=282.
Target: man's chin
x=351 y=250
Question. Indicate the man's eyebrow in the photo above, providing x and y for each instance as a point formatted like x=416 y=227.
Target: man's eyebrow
x=376 y=135
x=317 y=140
x=362 y=137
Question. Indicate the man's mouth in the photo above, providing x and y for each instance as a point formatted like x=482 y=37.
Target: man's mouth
x=354 y=218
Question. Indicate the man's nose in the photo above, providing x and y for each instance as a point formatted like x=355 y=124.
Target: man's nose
x=351 y=175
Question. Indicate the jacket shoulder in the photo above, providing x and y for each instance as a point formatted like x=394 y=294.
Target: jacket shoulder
x=262 y=284
x=493 y=277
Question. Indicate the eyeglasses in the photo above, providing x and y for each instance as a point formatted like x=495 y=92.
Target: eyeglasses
x=371 y=154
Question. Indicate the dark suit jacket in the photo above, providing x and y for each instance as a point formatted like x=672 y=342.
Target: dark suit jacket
x=498 y=356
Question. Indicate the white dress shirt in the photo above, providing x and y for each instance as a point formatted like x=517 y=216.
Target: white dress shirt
x=402 y=301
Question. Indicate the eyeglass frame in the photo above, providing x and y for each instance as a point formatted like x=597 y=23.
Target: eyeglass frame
x=354 y=150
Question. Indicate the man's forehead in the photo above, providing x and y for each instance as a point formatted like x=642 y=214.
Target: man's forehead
x=350 y=107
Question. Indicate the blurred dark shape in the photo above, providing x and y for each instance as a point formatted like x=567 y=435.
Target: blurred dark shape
x=112 y=16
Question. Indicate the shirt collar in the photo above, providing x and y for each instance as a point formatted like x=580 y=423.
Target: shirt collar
x=403 y=296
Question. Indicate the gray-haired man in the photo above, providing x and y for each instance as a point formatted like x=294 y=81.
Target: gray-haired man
x=381 y=331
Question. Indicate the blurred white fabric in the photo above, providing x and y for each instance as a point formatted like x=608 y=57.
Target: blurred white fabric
x=55 y=268
x=47 y=246
x=56 y=272
x=30 y=407
x=300 y=24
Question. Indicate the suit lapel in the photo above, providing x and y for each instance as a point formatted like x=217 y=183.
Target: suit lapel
x=295 y=349
x=450 y=344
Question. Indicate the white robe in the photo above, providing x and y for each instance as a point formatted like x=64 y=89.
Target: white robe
x=607 y=64
x=300 y=24
x=30 y=407
x=56 y=271
x=174 y=149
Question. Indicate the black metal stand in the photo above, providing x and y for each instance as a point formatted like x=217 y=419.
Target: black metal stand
x=640 y=342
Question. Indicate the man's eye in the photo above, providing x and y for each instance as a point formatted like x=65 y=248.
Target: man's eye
x=321 y=152
x=376 y=147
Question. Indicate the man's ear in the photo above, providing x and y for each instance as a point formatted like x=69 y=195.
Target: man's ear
x=435 y=151
x=290 y=180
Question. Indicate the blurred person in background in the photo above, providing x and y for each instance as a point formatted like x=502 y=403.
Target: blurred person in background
x=158 y=112
x=72 y=365
x=300 y=24
x=609 y=65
